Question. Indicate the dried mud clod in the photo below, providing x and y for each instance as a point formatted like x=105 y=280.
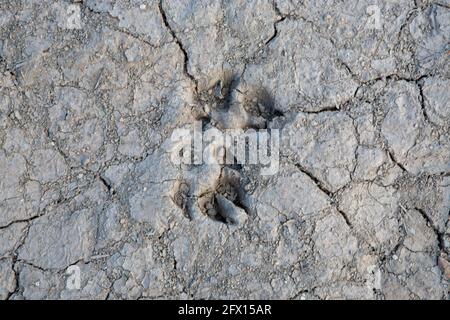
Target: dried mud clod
x=227 y=190
x=229 y=184
x=208 y=206
x=181 y=196
x=224 y=203
x=217 y=94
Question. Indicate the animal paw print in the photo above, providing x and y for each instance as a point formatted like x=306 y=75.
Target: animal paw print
x=227 y=104
x=259 y=103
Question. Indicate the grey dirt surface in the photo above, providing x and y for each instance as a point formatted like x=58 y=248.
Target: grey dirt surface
x=92 y=90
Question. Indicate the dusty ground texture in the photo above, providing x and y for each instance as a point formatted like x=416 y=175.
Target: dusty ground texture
x=359 y=208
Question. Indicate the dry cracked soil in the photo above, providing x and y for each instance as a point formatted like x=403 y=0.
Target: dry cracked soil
x=92 y=205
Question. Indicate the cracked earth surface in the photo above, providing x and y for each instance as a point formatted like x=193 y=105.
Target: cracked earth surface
x=359 y=208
